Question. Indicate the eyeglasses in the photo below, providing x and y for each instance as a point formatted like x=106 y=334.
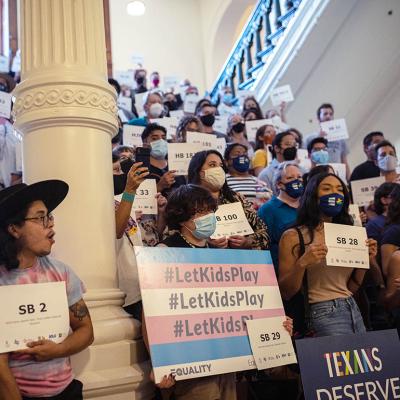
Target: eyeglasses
x=45 y=219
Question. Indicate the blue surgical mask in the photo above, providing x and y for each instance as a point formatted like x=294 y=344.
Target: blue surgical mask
x=331 y=204
x=227 y=98
x=294 y=188
x=320 y=157
x=159 y=149
x=241 y=163
x=205 y=226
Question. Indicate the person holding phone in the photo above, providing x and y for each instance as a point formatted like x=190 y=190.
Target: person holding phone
x=154 y=138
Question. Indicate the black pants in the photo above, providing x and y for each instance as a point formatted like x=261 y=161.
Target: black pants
x=72 y=392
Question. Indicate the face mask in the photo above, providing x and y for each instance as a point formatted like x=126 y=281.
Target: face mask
x=205 y=226
x=156 y=81
x=3 y=88
x=331 y=204
x=320 y=157
x=227 y=98
x=172 y=105
x=215 y=177
x=119 y=183
x=159 y=149
x=388 y=163
x=289 y=154
x=239 y=127
x=140 y=80
x=294 y=188
x=241 y=163
x=207 y=120
x=156 y=109
x=267 y=139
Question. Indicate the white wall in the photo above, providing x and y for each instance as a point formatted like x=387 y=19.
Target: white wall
x=188 y=38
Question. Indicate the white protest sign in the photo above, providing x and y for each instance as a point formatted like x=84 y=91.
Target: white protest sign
x=179 y=156
x=252 y=127
x=346 y=246
x=270 y=342
x=205 y=141
x=124 y=78
x=189 y=105
x=221 y=124
x=178 y=114
x=226 y=111
x=33 y=312
x=335 y=129
x=125 y=103
x=243 y=94
x=137 y=60
x=340 y=170
x=122 y=116
x=279 y=124
x=221 y=145
x=354 y=211
x=363 y=190
x=132 y=135
x=231 y=221
x=139 y=103
x=169 y=123
x=4 y=64
x=5 y=105
x=171 y=82
x=145 y=197
x=281 y=94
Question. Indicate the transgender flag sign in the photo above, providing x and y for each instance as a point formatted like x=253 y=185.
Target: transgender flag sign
x=196 y=303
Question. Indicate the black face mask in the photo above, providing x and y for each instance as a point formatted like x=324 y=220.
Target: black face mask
x=172 y=105
x=119 y=183
x=207 y=120
x=239 y=127
x=140 y=80
x=3 y=88
x=289 y=154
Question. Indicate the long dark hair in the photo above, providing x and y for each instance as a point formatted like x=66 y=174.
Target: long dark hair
x=393 y=216
x=195 y=165
x=9 y=245
x=309 y=214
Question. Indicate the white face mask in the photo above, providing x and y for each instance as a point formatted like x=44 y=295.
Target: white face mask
x=155 y=110
x=215 y=177
x=388 y=163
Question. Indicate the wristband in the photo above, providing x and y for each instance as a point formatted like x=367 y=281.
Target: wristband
x=129 y=197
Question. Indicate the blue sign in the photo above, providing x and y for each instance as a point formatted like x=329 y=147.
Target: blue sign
x=351 y=367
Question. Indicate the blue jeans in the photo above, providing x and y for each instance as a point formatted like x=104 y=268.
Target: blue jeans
x=336 y=317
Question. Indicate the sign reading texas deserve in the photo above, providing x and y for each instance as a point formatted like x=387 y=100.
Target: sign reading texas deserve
x=196 y=304
x=349 y=367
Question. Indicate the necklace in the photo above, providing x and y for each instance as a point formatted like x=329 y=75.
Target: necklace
x=191 y=244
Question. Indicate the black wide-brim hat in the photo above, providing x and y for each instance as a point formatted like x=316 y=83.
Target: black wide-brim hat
x=14 y=198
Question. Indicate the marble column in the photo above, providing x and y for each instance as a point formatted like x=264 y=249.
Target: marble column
x=66 y=112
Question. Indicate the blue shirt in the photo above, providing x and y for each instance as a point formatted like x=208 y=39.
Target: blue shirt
x=278 y=217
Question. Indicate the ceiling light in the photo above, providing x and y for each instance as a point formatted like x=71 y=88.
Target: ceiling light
x=135 y=8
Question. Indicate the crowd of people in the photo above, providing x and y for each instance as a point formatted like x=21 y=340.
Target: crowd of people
x=286 y=201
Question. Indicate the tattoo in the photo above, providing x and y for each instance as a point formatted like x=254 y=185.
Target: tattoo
x=79 y=310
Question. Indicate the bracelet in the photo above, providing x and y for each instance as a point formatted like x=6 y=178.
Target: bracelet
x=129 y=197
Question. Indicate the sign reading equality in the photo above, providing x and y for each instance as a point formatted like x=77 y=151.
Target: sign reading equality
x=196 y=304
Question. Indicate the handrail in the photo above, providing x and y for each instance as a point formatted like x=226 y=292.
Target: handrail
x=257 y=40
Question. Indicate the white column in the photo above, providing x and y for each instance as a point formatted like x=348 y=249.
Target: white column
x=66 y=111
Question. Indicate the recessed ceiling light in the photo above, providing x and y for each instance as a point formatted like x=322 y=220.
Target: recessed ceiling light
x=135 y=8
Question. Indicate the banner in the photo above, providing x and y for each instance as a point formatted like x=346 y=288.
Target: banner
x=348 y=367
x=196 y=303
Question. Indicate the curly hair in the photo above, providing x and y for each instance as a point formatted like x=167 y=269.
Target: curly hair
x=183 y=123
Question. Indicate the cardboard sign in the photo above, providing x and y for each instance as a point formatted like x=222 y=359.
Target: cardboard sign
x=125 y=78
x=179 y=156
x=132 y=135
x=189 y=104
x=363 y=190
x=335 y=130
x=169 y=123
x=281 y=94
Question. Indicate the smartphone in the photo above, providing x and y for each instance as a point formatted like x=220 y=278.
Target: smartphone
x=143 y=155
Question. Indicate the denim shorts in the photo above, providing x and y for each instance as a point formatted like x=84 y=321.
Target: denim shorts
x=336 y=317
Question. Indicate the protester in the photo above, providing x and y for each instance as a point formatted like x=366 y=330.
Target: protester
x=265 y=135
x=392 y=295
x=318 y=151
x=206 y=113
x=207 y=169
x=250 y=103
x=237 y=132
x=281 y=211
x=284 y=148
x=315 y=171
x=140 y=79
x=271 y=113
x=329 y=290
x=251 y=114
x=368 y=169
x=188 y=123
x=239 y=179
x=126 y=114
x=386 y=160
x=124 y=152
x=43 y=369
x=155 y=80
x=153 y=107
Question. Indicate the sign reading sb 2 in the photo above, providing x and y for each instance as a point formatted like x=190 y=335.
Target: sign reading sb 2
x=30 y=308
